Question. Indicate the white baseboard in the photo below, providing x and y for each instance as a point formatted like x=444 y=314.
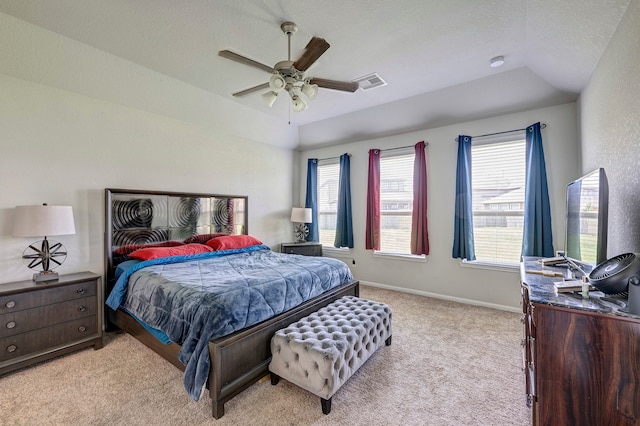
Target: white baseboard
x=443 y=297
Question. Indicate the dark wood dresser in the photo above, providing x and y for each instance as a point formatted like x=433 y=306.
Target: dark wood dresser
x=581 y=356
x=305 y=249
x=39 y=321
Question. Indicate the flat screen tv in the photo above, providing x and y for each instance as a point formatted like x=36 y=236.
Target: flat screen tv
x=586 y=220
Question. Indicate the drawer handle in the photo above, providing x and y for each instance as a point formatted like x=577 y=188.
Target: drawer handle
x=82 y=308
x=11 y=348
x=80 y=291
x=11 y=324
x=82 y=329
x=10 y=304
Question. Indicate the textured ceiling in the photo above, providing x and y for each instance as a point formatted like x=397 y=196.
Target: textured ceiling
x=417 y=46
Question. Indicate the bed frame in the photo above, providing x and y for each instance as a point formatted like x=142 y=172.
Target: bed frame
x=237 y=360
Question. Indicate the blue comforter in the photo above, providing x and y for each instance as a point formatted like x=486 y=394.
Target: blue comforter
x=196 y=298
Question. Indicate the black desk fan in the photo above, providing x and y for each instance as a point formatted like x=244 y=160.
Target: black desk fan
x=618 y=275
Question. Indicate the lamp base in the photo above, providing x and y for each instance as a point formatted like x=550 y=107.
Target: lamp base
x=301 y=231
x=45 y=276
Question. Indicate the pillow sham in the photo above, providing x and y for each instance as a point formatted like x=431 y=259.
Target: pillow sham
x=203 y=238
x=130 y=248
x=232 y=242
x=155 y=252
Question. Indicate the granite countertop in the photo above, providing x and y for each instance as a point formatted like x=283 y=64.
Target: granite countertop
x=542 y=290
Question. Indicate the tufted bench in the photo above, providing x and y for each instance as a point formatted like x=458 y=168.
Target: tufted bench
x=321 y=352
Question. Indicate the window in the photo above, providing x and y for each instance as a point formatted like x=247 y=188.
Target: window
x=396 y=202
x=498 y=180
x=328 y=182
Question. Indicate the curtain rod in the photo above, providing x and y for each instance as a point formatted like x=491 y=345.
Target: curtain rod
x=542 y=126
x=388 y=149
x=426 y=144
x=332 y=158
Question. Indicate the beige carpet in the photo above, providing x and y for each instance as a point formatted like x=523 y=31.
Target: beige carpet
x=449 y=364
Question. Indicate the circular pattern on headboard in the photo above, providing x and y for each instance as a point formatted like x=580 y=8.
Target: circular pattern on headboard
x=184 y=212
x=137 y=213
x=223 y=216
x=139 y=236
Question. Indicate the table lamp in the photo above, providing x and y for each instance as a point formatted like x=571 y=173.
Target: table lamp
x=301 y=216
x=43 y=221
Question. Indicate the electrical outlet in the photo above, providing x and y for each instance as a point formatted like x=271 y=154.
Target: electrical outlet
x=353 y=263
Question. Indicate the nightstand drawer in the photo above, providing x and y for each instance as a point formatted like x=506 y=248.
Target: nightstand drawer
x=304 y=249
x=46 y=296
x=47 y=338
x=42 y=321
x=45 y=316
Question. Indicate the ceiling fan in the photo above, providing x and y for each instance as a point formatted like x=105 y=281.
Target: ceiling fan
x=290 y=75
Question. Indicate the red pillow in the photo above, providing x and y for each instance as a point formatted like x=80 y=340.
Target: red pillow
x=130 y=248
x=233 y=242
x=203 y=238
x=155 y=252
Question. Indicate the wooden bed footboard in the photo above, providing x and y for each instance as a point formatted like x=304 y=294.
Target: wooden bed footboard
x=239 y=359
x=242 y=358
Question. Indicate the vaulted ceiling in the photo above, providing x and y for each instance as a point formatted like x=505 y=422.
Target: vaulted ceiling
x=417 y=46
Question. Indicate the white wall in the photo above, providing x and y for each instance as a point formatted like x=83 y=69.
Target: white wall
x=441 y=274
x=609 y=110
x=31 y=53
x=76 y=120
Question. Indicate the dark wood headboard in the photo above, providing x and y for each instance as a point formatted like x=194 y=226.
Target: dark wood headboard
x=149 y=217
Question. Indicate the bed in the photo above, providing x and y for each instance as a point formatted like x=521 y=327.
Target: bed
x=233 y=340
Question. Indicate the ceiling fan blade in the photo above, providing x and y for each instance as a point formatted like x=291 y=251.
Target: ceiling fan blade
x=345 y=86
x=315 y=48
x=251 y=89
x=244 y=60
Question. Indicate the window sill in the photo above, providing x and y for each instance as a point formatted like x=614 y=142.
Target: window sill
x=397 y=256
x=493 y=266
x=336 y=252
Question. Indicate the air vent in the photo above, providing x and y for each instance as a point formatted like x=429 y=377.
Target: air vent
x=370 y=81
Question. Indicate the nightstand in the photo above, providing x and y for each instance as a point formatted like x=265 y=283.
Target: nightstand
x=39 y=321
x=305 y=249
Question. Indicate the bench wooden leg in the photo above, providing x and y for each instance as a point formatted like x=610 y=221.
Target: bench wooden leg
x=388 y=341
x=326 y=405
x=274 y=379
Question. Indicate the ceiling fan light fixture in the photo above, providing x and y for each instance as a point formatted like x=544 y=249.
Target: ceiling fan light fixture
x=310 y=90
x=289 y=75
x=277 y=83
x=298 y=104
x=269 y=98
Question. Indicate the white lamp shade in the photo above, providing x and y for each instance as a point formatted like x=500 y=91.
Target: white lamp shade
x=276 y=83
x=270 y=98
x=300 y=215
x=310 y=90
x=298 y=104
x=42 y=221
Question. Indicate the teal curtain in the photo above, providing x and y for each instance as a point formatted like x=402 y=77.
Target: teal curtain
x=344 y=225
x=537 y=239
x=312 y=198
x=463 y=246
